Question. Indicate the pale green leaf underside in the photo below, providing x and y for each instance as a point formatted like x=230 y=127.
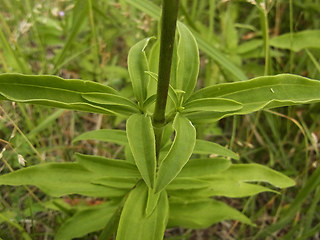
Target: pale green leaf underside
x=239 y=180
x=117 y=182
x=206 y=147
x=256 y=173
x=141 y=140
x=212 y=105
x=220 y=187
x=204 y=167
x=135 y=224
x=179 y=153
x=297 y=41
x=105 y=167
x=105 y=135
x=202 y=214
x=56 y=92
x=87 y=220
x=137 y=66
x=188 y=61
x=106 y=99
x=259 y=93
x=58 y=179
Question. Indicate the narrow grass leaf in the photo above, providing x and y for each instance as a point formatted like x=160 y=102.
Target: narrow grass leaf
x=288 y=216
x=106 y=167
x=134 y=222
x=104 y=135
x=179 y=153
x=188 y=61
x=259 y=93
x=154 y=11
x=137 y=66
x=202 y=214
x=86 y=220
x=80 y=11
x=58 y=179
x=300 y=40
x=142 y=144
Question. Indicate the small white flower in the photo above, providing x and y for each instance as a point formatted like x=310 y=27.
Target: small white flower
x=21 y=160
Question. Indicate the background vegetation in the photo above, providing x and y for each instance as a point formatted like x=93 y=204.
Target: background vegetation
x=89 y=39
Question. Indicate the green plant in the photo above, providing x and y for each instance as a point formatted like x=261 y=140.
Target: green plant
x=163 y=181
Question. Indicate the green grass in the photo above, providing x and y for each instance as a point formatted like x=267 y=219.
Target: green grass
x=91 y=39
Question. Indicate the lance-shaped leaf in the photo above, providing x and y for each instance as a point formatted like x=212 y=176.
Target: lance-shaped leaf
x=107 y=99
x=106 y=167
x=117 y=182
x=206 y=147
x=143 y=147
x=188 y=61
x=86 y=220
x=135 y=223
x=204 y=167
x=54 y=91
x=259 y=93
x=187 y=183
x=212 y=105
x=297 y=41
x=202 y=214
x=239 y=180
x=105 y=135
x=58 y=179
x=257 y=173
x=219 y=187
x=137 y=66
x=179 y=153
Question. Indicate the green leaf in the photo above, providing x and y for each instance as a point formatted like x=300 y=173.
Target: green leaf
x=297 y=41
x=134 y=222
x=58 y=179
x=187 y=183
x=202 y=214
x=237 y=181
x=106 y=167
x=79 y=16
x=137 y=65
x=171 y=91
x=212 y=105
x=143 y=147
x=204 y=167
x=259 y=93
x=219 y=187
x=206 y=147
x=107 y=99
x=257 y=173
x=179 y=153
x=117 y=182
x=87 y=220
x=54 y=91
x=105 y=135
x=188 y=61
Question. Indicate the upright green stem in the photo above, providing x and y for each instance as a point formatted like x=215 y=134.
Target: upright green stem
x=168 y=29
